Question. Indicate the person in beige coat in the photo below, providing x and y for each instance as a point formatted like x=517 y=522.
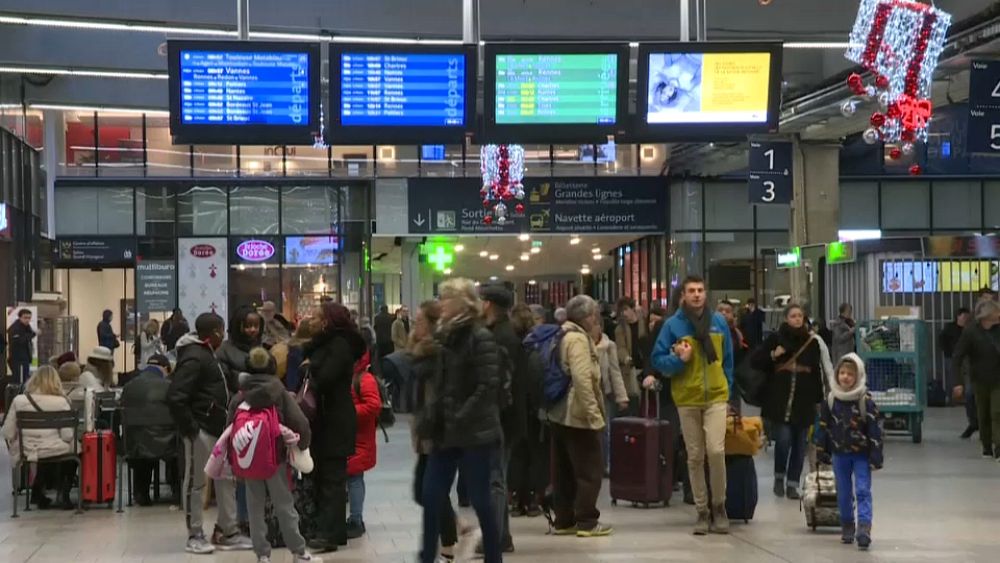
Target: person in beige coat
x=630 y=337
x=577 y=424
x=43 y=393
x=616 y=398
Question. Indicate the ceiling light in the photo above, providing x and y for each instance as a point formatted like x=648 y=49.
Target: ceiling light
x=595 y=250
x=483 y=254
x=597 y=257
x=524 y=237
x=459 y=247
x=535 y=249
x=585 y=270
x=510 y=267
x=494 y=257
x=574 y=240
x=90 y=109
x=447 y=271
x=525 y=257
x=532 y=282
x=493 y=278
x=93 y=72
x=477 y=284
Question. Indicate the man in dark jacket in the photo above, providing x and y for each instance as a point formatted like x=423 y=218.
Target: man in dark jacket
x=149 y=429
x=949 y=340
x=383 y=332
x=106 y=333
x=19 y=335
x=752 y=324
x=198 y=397
x=980 y=344
x=497 y=301
x=173 y=329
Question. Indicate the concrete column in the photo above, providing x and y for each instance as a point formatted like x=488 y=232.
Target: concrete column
x=53 y=152
x=815 y=211
x=417 y=284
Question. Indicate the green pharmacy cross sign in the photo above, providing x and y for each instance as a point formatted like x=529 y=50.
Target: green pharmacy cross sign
x=440 y=257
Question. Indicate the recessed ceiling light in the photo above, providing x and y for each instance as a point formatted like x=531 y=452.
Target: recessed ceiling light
x=532 y=282
x=494 y=256
x=447 y=271
x=483 y=254
x=574 y=240
x=510 y=267
x=524 y=237
x=585 y=270
x=459 y=247
x=493 y=278
x=525 y=257
x=597 y=257
x=595 y=250
x=536 y=249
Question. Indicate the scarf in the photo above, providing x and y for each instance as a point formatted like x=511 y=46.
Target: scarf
x=702 y=322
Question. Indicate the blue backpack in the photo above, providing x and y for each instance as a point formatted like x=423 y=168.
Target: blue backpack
x=546 y=340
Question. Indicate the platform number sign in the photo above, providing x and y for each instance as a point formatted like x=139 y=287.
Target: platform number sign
x=770 y=179
x=984 y=107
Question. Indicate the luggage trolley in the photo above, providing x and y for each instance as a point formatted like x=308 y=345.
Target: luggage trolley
x=896 y=356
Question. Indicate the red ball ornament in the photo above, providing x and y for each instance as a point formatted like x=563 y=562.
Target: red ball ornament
x=882 y=82
x=487 y=203
x=855 y=81
x=916 y=170
x=878 y=119
x=893 y=111
x=488 y=219
x=907 y=135
x=519 y=208
x=895 y=154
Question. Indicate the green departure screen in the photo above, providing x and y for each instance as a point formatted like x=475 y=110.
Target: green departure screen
x=579 y=89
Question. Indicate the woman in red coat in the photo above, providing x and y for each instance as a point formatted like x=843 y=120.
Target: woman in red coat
x=367 y=405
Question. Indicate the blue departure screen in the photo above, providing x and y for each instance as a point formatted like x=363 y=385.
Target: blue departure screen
x=244 y=88
x=402 y=89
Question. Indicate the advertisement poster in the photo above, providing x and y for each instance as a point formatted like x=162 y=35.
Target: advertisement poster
x=156 y=283
x=708 y=87
x=311 y=250
x=202 y=267
x=12 y=318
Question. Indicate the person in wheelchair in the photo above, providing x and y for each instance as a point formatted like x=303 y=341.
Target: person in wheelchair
x=149 y=430
x=43 y=393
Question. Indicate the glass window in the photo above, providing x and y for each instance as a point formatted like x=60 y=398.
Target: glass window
x=201 y=210
x=80 y=157
x=685 y=256
x=307 y=161
x=308 y=209
x=353 y=161
x=253 y=210
x=859 y=205
x=727 y=206
x=771 y=282
x=210 y=160
x=93 y=211
x=354 y=202
x=957 y=205
x=653 y=160
x=164 y=158
x=991 y=205
x=622 y=164
x=578 y=160
x=154 y=211
x=774 y=217
x=304 y=286
x=904 y=205
x=119 y=144
x=730 y=258
x=261 y=161
x=435 y=162
x=685 y=205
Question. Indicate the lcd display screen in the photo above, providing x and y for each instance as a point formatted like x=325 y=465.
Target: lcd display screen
x=311 y=250
x=556 y=88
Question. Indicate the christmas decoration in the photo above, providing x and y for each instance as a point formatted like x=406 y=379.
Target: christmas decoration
x=896 y=153
x=502 y=167
x=907 y=148
x=849 y=107
x=916 y=170
x=877 y=120
x=899 y=42
x=870 y=135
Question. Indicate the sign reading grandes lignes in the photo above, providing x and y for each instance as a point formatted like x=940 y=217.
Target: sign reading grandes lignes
x=402 y=89
x=244 y=88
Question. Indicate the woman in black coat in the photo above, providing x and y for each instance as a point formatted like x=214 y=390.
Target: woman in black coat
x=793 y=389
x=332 y=354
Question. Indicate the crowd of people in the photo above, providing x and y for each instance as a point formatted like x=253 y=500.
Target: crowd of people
x=516 y=400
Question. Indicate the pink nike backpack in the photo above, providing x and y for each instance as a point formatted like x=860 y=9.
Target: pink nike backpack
x=253 y=444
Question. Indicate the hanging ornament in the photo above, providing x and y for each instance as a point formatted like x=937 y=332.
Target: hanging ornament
x=502 y=168
x=877 y=120
x=849 y=107
x=488 y=219
x=519 y=209
x=916 y=170
x=856 y=83
x=907 y=135
x=907 y=148
x=896 y=153
x=870 y=135
x=883 y=101
x=881 y=82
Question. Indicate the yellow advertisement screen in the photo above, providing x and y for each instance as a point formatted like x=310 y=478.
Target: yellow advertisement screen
x=708 y=87
x=964 y=276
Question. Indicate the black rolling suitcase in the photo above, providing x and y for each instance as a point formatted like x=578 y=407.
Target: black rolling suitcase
x=741 y=487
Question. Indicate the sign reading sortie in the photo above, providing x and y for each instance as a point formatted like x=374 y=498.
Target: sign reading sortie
x=255 y=250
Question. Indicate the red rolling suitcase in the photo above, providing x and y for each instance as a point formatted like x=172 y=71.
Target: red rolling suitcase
x=642 y=451
x=98 y=471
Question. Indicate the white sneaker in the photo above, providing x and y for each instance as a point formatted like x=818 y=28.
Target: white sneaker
x=235 y=542
x=308 y=558
x=199 y=545
x=264 y=559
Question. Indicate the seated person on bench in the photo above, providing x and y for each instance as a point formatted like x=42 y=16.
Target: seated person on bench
x=149 y=430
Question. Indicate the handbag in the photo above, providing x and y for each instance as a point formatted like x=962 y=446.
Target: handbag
x=306 y=396
x=750 y=383
x=744 y=435
x=791 y=364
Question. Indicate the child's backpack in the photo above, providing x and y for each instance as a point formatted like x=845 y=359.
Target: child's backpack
x=253 y=444
x=386 y=415
x=547 y=339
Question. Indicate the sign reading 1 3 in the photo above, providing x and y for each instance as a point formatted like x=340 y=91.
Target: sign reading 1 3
x=770 y=174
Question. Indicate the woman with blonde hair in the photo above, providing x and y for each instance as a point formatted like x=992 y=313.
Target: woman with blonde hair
x=42 y=393
x=148 y=344
x=462 y=421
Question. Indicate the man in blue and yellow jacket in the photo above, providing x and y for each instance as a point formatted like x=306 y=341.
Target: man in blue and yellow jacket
x=695 y=352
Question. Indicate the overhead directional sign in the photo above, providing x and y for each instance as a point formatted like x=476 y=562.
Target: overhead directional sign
x=984 y=108
x=770 y=178
x=550 y=205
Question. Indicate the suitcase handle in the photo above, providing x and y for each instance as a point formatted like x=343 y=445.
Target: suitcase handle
x=644 y=401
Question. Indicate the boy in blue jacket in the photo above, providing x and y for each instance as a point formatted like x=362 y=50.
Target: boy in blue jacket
x=849 y=431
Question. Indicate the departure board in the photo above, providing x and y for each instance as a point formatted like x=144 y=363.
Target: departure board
x=380 y=89
x=244 y=88
x=538 y=89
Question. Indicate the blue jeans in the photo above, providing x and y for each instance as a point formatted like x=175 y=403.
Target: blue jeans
x=848 y=468
x=242 y=513
x=438 y=479
x=356 y=497
x=789 y=452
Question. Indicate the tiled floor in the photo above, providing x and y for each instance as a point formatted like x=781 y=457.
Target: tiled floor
x=937 y=501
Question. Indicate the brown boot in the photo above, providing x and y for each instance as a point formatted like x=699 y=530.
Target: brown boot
x=702 y=525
